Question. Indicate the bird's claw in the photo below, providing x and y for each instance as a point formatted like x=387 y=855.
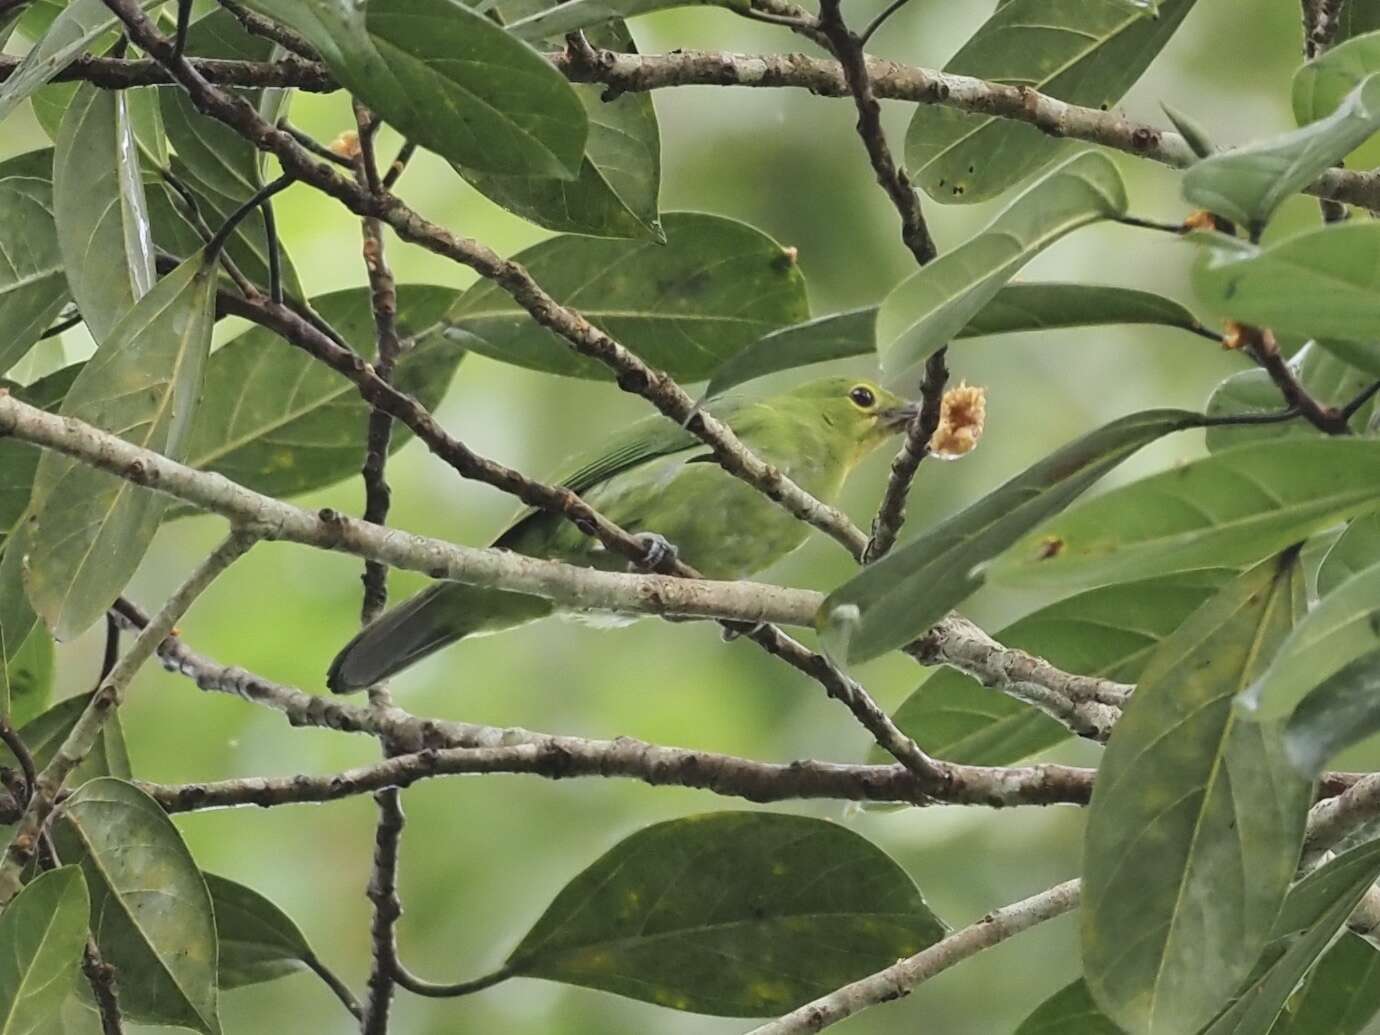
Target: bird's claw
x=658 y=552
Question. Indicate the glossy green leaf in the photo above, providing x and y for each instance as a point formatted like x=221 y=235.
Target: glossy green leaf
x=1323 y=84
x=75 y=29
x=98 y=201
x=1357 y=549
x=558 y=19
x=42 y=935
x=1341 y=995
x=825 y=338
x=1323 y=283
x=49 y=104
x=1313 y=912
x=44 y=735
x=1340 y=710
x=17 y=617
x=258 y=941
x=1108 y=633
x=147 y=121
x=615 y=193
x=1247 y=184
x=19 y=460
x=1086 y=52
x=658 y=916
x=896 y=599
x=449 y=79
x=281 y=422
x=91 y=529
x=932 y=305
x=1069 y=1011
x=1343 y=626
x=1052 y=305
x=1226 y=510
x=1195 y=824
x=150 y=910
x=714 y=288
x=1193 y=133
x=33 y=286
x=28 y=677
x=1327 y=378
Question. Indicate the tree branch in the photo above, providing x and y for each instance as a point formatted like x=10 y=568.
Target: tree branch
x=82 y=737
x=899 y=980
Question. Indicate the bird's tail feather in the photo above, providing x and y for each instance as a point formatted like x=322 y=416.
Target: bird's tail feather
x=439 y=615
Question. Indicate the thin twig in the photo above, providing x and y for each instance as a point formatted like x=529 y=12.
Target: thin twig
x=111 y=654
x=399 y=164
x=61 y=326
x=217 y=243
x=881 y=19
x=891 y=512
x=257 y=25
x=101 y=976
x=1260 y=345
x=451 y=990
x=314 y=146
x=383 y=893
x=106 y=699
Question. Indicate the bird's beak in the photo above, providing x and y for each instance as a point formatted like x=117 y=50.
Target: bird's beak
x=897 y=417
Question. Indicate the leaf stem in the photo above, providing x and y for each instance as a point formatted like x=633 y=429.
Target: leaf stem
x=437 y=990
x=217 y=243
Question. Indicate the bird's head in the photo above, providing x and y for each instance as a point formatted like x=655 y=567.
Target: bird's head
x=859 y=409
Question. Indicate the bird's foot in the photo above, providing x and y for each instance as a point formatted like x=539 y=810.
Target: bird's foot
x=659 y=552
x=732 y=632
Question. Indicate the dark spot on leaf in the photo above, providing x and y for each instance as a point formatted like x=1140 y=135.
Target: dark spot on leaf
x=1374 y=622
x=1050 y=546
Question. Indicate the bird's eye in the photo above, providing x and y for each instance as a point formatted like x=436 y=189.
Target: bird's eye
x=862 y=396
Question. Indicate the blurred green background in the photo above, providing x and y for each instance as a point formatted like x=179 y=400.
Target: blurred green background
x=482 y=856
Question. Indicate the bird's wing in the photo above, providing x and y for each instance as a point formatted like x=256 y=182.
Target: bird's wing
x=639 y=443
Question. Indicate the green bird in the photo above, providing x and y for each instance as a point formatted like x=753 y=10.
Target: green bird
x=659 y=481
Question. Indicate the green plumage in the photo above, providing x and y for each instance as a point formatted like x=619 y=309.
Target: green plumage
x=654 y=477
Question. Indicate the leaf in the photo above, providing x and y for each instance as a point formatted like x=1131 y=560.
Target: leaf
x=1191 y=130
x=615 y=192
x=1323 y=84
x=1069 y=1011
x=1341 y=995
x=714 y=288
x=740 y=914
x=825 y=338
x=281 y=422
x=42 y=935
x=33 y=286
x=258 y=941
x=931 y=306
x=98 y=201
x=571 y=15
x=1344 y=626
x=1086 y=53
x=75 y=29
x=1227 y=510
x=1313 y=912
x=1248 y=183
x=1354 y=551
x=1108 y=633
x=150 y=910
x=450 y=80
x=90 y=528
x=1340 y=710
x=1320 y=284
x=893 y=601
x=1045 y=306
x=19 y=460
x=45 y=734
x=17 y=618
x=1328 y=379
x=28 y=677
x=1195 y=824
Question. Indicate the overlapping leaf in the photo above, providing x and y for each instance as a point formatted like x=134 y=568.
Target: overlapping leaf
x=615 y=193
x=449 y=79
x=1194 y=829
x=258 y=941
x=1248 y=183
x=1108 y=633
x=33 y=286
x=556 y=20
x=44 y=734
x=1319 y=284
x=90 y=529
x=1341 y=995
x=1322 y=84
x=159 y=934
x=98 y=202
x=1357 y=549
x=1343 y=709
x=42 y=934
x=1226 y=510
x=1069 y=1011
x=1051 y=305
x=714 y=288
x=898 y=598
x=931 y=306
x=837 y=336
x=1086 y=52
x=659 y=915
